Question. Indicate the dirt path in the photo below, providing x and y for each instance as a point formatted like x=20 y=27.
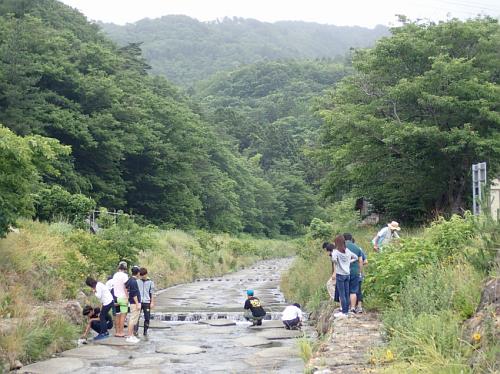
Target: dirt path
x=348 y=348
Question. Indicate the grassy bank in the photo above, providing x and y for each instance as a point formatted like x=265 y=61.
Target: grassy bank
x=44 y=264
x=425 y=287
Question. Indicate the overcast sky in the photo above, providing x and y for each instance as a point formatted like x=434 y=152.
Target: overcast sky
x=346 y=12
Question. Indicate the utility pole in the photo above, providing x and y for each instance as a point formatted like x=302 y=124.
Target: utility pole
x=478 y=184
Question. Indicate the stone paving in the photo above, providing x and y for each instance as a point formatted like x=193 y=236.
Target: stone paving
x=213 y=346
x=348 y=348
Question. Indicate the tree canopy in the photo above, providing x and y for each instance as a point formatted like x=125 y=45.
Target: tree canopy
x=187 y=51
x=421 y=108
x=136 y=143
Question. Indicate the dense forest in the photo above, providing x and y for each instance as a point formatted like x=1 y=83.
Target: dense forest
x=419 y=110
x=136 y=143
x=186 y=50
x=257 y=149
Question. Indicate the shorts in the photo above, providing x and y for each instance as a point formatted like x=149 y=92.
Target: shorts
x=122 y=305
x=135 y=313
x=353 y=284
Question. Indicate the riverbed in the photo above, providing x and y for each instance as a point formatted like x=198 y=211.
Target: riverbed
x=198 y=328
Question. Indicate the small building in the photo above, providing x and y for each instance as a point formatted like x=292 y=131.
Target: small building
x=365 y=208
x=495 y=199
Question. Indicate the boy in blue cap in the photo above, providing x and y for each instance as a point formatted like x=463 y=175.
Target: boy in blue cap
x=254 y=311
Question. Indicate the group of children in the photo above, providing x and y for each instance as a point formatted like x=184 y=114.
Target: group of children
x=291 y=317
x=121 y=295
x=348 y=260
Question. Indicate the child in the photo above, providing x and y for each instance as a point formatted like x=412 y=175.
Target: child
x=94 y=323
x=119 y=280
x=253 y=309
x=292 y=317
x=104 y=295
x=146 y=289
x=134 y=298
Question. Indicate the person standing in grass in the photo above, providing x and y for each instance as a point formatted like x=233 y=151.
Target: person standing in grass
x=356 y=269
x=386 y=235
x=134 y=298
x=106 y=299
x=146 y=289
x=120 y=278
x=342 y=258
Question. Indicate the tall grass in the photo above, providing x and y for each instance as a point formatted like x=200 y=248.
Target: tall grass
x=48 y=263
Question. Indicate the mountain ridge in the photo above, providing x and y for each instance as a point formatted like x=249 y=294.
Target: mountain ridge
x=186 y=50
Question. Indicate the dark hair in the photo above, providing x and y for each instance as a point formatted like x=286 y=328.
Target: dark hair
x=330 y=247
x=348 y=236
x=143 y=272
x=87 y=309
x=122 y=265
x=340 y=243
x=91 y=282
x=135 y=270
x=297 y=305
x=325 y=244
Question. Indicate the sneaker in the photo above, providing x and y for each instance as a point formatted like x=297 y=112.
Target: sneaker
x=359 y=309
x=100 y=337
x=132 y=339
x=340 y=315
x=106 y=333
x=353 y=311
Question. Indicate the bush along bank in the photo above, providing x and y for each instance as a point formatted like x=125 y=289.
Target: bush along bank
x=426 y=288
x=44 y=266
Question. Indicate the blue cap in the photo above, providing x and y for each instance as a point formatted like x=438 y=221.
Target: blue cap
x=250 y=292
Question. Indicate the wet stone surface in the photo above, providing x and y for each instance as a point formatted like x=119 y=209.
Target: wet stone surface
x=227 y=345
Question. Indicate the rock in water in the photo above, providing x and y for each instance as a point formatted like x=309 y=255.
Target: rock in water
x=92 y=352
x=217 y=322
x=179 y=349
x=282 y=353
x=252 y=341
x=274 y=324
x=280 y=334
x=61 y=365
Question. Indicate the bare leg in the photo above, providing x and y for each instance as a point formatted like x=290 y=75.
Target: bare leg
x=353 y=298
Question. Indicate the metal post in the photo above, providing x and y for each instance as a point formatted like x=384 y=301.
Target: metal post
x=478 y=183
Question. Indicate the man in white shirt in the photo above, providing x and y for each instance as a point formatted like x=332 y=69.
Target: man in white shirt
x=120 y=278
x=292 y=317
x=104 y=295
x=385 y=235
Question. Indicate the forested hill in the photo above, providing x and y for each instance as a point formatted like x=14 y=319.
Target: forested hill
x=186 y=50
x=132 y=141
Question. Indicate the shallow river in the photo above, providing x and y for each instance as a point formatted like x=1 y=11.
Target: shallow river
x=198 y=328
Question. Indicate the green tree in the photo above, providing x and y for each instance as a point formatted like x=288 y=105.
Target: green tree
x=421 y=108
x=23 y=162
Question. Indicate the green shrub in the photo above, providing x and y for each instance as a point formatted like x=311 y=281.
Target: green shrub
x=389 y=269
x=54 y=202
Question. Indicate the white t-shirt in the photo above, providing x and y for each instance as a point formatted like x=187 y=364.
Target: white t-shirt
x=102 y=293
x=109 y=284
x=119 y=280
x=291 y=312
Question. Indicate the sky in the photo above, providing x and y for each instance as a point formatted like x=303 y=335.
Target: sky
x=367 y=13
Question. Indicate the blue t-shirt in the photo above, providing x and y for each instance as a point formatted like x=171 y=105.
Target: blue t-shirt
x=358 y=252
x=133 y=290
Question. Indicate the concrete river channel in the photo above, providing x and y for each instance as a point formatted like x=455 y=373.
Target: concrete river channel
x=198 y=328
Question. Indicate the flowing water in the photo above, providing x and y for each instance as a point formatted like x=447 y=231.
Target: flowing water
x=199 y=328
